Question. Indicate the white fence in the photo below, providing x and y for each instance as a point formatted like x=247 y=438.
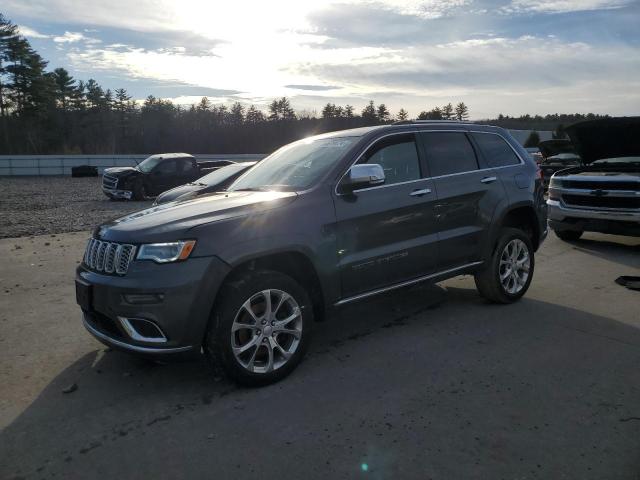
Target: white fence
x=61 y=164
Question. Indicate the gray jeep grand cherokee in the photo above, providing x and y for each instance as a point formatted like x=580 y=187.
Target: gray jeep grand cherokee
x=243 y=275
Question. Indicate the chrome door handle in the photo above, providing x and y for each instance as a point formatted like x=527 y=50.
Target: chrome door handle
x=419 y=193
x=489 y=179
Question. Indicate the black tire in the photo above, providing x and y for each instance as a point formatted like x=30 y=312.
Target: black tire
x=488 y=279
x=218 y=341
x=568 y=235
x=139 y=192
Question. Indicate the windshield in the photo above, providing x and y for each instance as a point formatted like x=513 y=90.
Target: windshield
x=296 y=166
x=147 y=164
x=221 y=175
x=619 y=160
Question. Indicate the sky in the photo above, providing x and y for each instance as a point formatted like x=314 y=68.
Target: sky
x=497 y=56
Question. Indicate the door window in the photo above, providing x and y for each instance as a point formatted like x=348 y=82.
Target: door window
x=186 y=165
x=448 y=153
x=496 y=150
x=398 y=156
x=167 y=167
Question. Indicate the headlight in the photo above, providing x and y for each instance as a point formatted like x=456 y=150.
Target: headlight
x=166 y=252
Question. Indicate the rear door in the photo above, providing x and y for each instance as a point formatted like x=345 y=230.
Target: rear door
x=187 y=171
x=386 y=233
x=467 y=196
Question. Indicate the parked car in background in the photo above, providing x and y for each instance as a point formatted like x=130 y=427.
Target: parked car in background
x=213 y=182
x=556 y=155
x=603 y=195
x=326 y=221
x=155 y=175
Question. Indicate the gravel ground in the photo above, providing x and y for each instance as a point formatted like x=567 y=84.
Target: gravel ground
x=46 y=205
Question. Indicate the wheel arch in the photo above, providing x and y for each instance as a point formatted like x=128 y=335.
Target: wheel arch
x=292 y=262
x=521 y=216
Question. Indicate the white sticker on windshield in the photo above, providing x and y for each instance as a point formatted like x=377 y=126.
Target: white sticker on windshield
x=335 y=143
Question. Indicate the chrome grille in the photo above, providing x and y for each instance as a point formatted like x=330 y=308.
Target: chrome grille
x=108 y=257
x=109 y=182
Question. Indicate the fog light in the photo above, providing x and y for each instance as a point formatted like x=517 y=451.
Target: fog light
x=142 y=330
x=143 y=298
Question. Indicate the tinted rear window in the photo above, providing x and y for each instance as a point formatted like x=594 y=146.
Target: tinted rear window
x=449 y=152
x=496 y=150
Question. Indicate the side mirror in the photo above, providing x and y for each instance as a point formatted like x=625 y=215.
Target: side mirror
x=362 y=176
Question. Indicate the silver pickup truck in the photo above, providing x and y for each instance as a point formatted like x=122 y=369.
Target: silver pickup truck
x=604 y=194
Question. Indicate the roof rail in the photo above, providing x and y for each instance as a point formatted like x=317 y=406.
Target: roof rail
x=408 y=122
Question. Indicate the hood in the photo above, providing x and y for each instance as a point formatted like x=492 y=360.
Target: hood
x=174 y=193
x=606 y=138
x=171 y=221
x=550 y=148
x=120 y=170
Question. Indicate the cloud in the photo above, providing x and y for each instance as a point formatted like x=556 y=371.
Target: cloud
x=73 y=37
x=316 y=88
x=69 y=37
x=563 y=6
x=496 y=55
x=428 y=9
x=30 y=32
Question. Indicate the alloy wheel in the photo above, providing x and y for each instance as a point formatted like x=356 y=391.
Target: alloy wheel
x=266 y=331
x=515 y=264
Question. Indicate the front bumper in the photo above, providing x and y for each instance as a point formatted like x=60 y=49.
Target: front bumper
x=617 y=222
x=118 y=194
x=175 y=299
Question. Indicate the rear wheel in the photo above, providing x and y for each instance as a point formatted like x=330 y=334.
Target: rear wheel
x=508 y=275
x=568 y=235
x=260 y=329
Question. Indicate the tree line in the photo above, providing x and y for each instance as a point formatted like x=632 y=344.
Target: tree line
x=45 y=112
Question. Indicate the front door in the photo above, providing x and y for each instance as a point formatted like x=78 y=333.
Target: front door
x=386 y=234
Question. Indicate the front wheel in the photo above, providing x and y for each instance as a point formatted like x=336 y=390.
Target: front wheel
x=260 y=328
x=140 y=192
x=508 y=275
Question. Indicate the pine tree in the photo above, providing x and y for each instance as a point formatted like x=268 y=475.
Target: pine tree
x=204 y=105
x=462 y=112
x=433 y=114
x=533 y=140
x=382 y=113
x=329 y=111
x=447 y=112
x=402 y=115
x=254 y=116
x=348 y=111
x=65 y=88
x=236 y=116
x=369 y=113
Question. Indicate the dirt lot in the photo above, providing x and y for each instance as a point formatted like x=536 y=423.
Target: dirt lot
x=429 y=382
x=40 y=205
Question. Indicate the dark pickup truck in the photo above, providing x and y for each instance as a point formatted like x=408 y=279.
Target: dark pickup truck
x=155 y=175
x=337 y=218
